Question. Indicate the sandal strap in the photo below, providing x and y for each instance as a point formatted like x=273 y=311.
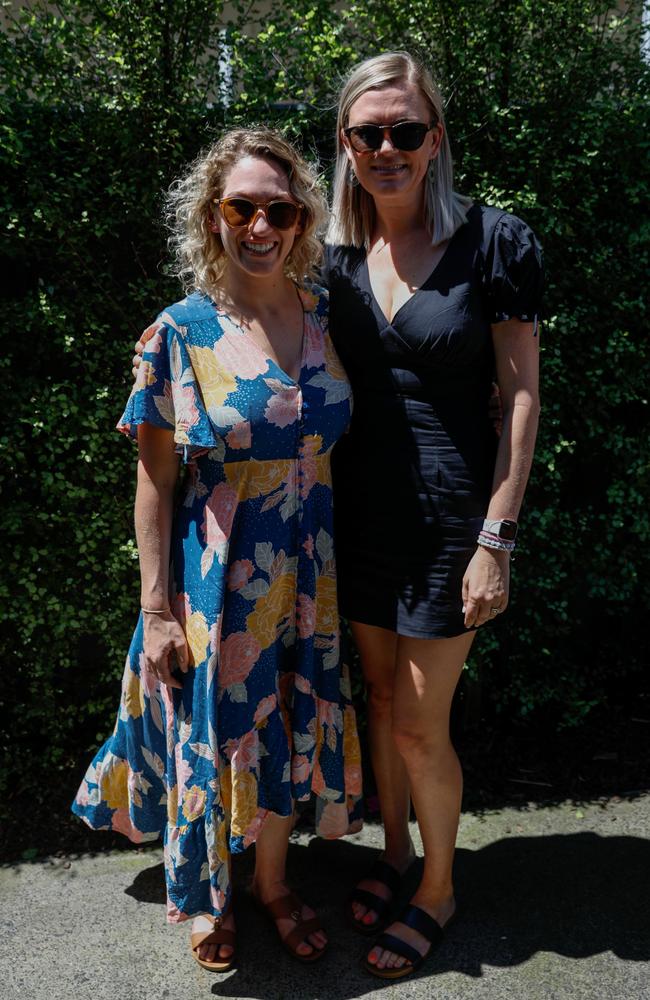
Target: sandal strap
x=288 y=906
x=391 y=943
x=381 y=871
x=301 y=932
x=421 y=922
x=220 y=935
x=371 y=900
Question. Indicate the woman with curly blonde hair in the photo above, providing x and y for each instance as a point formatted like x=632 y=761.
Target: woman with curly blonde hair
x=235 y=702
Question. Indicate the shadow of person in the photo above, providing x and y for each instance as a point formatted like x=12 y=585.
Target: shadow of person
x=575 y=895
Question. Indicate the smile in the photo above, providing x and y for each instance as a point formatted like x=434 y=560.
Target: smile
x=258 y=248
x=389 y=168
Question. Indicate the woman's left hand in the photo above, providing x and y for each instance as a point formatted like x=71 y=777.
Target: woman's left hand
x=485 y=586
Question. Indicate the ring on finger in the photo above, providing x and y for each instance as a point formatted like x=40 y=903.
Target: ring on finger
x=495 y=611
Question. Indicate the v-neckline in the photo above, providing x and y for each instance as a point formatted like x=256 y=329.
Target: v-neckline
x=420 y=288
x=260 y=350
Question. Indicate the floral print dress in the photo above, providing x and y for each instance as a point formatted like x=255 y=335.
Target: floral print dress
x=264 y=716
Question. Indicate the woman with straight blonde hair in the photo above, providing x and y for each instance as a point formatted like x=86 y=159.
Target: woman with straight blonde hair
x=431 y=296
x=235 y=701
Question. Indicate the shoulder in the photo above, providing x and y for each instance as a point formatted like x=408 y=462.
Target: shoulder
x=343 y=260
x=501 y=227
x=194 y=308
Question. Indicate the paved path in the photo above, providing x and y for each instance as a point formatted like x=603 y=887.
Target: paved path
x=555 y=906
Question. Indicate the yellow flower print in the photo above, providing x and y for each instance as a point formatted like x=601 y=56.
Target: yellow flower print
x=327 y=615
x=114 y=782
x=351 y=747
x=244 y=804
x=254 y=478
x=193 y=803
x=132 y=694
x=334 y=367
x=197 y=635
x=215 y=381
x=225 y=788
x=272 y=608
x=172 y=805
x=146 y=376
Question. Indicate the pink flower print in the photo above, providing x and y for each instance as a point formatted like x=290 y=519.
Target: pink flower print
x=239 y=652
x=309 y=450
x=146 y=376
x=255 y=827
x=218 y=515
x=153 y=346
x=308 y=546
x=300 y=768
x=330 y=714
x=302 y=684
x=184 y=405
x=240 y=435
x=149 y=681
x=122 y=823
x=237 y=353
x=265 y=708
x=306 y=616
x=243 y=753
x=333 y=821
x=313 y=346
x=282 y=407
x=184 y=771
x=240 y=573
x=317 y=780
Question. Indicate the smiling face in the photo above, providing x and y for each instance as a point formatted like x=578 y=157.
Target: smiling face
x=258 y=248
x=389 y=175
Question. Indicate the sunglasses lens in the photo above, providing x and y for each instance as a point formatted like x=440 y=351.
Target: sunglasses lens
x=282 y=214
x=408 y=135
x=237 y=211
x=365 y=137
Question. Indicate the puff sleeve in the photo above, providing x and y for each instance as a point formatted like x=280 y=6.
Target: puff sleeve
x=165 y=394
x=514 y=274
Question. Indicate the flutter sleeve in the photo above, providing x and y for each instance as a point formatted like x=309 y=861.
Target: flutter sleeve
x=514 y=272
x=165 y=394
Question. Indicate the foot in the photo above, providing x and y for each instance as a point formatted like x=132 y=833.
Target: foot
x=401 y=862
x=266 y=895
x=441 y=910
x=214 y=952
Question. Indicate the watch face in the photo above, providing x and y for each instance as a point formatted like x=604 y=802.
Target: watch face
x=508 y=530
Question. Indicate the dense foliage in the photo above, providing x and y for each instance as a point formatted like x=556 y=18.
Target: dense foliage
x=101 y=104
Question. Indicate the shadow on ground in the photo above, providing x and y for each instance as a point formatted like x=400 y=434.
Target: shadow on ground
x=576 y=895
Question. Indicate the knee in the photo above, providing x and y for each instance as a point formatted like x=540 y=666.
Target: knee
x=380 y=698
x=415 y=741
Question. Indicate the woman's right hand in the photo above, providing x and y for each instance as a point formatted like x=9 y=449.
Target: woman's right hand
x=136 y=360
x=165 y=648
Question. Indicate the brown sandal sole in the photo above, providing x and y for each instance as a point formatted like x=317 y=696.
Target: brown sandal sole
x=219 y=935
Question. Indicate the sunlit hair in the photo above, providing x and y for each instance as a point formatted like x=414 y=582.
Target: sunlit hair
x=353 y=210
x=200 y=259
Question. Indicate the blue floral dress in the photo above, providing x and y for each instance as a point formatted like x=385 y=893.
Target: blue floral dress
x=264 y=716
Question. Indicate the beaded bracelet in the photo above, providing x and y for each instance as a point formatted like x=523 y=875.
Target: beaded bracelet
x=490 y=541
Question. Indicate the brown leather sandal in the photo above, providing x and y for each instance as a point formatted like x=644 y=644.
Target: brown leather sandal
x=219 y=935
x=290 y=907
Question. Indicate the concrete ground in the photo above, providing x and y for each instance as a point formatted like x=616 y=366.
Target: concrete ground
x=554 y=904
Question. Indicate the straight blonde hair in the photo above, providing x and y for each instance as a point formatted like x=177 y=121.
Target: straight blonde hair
x=353 y=209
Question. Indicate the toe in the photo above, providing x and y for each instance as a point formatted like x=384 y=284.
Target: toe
x=369 y=918
x=373 y=956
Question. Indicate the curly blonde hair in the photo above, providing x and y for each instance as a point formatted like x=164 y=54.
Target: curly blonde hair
x=200 y=259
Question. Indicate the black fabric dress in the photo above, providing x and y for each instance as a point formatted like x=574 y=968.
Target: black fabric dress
x=413 y=478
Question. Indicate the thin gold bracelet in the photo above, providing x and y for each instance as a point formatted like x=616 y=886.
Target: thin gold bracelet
x=155 y=611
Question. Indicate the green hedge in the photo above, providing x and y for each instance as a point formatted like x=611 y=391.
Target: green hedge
x=102 y=103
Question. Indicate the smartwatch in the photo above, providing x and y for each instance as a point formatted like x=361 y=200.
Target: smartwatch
x=505 y=530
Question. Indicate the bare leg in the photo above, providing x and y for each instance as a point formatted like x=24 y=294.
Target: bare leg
x=269 y=878
x=427 y=674
x=378 y=650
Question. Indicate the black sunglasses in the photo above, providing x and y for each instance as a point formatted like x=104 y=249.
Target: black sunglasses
x=239 y=212
x=406 y=136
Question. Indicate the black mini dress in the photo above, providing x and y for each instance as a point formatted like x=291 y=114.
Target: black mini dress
x=413 y=477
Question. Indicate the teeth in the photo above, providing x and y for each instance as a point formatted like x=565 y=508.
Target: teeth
x=260 y=248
